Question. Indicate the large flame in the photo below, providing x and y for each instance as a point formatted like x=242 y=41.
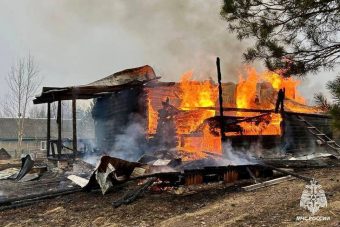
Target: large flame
x=195 y=94
x=246 y=90
x=152 y=116
x=290 y=84
x=256 y=91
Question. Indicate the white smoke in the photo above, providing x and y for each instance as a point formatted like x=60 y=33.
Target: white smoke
x=241 y=156
x=130 y=145
x=91 y=159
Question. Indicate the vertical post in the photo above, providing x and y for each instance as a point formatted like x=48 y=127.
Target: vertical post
x=74 y=124
x=219 y=78
x=48 y=139
x=283 y=117
x=59 y=145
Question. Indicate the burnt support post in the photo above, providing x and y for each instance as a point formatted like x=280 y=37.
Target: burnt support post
x=220 y=98
x=283 y=119
x=74 y=125
x=59 y=145
x=48 y=139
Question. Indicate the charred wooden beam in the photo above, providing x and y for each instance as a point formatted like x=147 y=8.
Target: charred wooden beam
x=74 y=126
x=237 y=120
x=220 y=98
x=232 y=109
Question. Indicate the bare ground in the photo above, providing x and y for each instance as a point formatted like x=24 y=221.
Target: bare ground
x=214 y=205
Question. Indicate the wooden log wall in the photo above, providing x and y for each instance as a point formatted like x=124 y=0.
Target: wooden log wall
x=113 y=113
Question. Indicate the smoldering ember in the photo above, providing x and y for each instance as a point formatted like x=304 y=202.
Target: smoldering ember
x=136 y=149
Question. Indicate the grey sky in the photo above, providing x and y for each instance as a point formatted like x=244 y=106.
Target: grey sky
x=79 y=41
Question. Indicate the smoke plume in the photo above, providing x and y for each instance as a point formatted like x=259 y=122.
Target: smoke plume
x=172 y=36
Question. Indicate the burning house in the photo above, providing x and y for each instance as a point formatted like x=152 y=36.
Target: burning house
x=136 y=114
x=166 y=135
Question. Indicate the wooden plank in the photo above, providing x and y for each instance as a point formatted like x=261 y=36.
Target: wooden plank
x=267 y=183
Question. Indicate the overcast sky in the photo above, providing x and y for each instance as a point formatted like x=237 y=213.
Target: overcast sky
x=79 y=41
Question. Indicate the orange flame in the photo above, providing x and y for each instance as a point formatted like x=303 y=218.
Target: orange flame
x=152 y=117
x=195 y=94
x=255 y=91
x=246 y=90
x=290 y=84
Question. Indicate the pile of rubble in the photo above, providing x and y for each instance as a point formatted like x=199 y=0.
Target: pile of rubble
x=149 y=172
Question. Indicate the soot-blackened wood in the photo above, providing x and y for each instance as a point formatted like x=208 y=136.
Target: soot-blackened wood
x=48 y=140
x=132 y=196
x=219 y=78
x=59 y=145
x=114 y=114
x=74 y=126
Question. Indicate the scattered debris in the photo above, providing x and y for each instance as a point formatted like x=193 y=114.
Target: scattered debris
x=62 y=164
x=4 y=155
x=26 y=166
x=103 y=179
x=5 y=174
x=108 y=170
x=154 y=174
x=55 y=210
x=131 y=196
x=82 y=182
x=30 y=199
x=29 y=177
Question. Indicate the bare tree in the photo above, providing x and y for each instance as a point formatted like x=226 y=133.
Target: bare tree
x=23 y=81
x=1 y=112
x=38 y=111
